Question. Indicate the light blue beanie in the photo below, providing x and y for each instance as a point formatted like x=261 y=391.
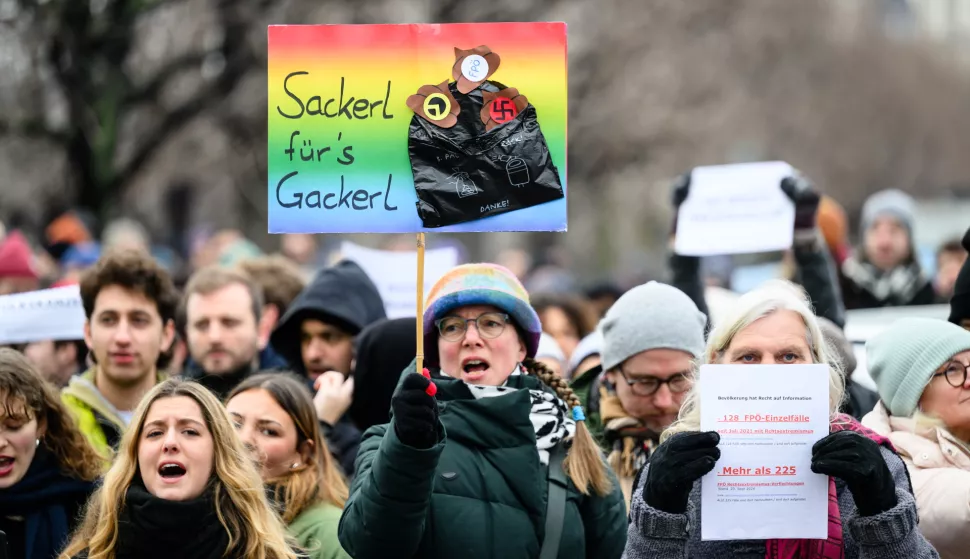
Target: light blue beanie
x=903 y=358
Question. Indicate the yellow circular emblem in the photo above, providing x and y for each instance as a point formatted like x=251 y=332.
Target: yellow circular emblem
x=436 y=106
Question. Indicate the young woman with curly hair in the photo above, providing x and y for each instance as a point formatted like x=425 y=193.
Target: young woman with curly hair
x=47 y=467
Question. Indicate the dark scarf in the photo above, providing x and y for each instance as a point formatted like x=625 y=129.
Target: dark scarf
x=898 y=286
x=220 y=385
x=43 y=497
x=150 y=527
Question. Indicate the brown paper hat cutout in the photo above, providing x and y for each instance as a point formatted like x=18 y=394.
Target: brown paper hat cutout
x=436 y=104
x=502 y=106
x=468 y=71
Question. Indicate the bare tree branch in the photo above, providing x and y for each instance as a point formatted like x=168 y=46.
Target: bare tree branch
x=33 y=129
x=149 y=91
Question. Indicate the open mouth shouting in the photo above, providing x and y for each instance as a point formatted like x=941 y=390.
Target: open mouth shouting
x=171 y=472
x=6 y=465
x=474 y=368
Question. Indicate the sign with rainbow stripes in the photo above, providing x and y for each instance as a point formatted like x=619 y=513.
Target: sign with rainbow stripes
x=417 y=128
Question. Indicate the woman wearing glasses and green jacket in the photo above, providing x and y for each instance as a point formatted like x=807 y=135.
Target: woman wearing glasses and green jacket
x=920 y=368
x=490 y=459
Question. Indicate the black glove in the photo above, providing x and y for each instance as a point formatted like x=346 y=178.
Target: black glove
x=415 y=413
x=681 y=188
x=674 y=467
x=857 y=461
x=803 y=194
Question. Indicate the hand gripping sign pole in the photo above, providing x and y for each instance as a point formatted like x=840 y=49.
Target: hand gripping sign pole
x=419 y=323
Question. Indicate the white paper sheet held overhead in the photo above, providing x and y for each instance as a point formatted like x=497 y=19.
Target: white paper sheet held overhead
x=736 y=209
x=768 y=416
x=395 y=273
x=46 y=314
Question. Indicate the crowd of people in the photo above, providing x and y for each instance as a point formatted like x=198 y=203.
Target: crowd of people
x=264 y=406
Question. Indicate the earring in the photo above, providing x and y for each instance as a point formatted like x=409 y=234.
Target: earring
x=295 y=465
x=36 y=443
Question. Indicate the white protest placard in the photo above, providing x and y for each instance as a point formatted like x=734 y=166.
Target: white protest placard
x=768 y=416
x=393 y=273
x=46 y=314
x=736 y=209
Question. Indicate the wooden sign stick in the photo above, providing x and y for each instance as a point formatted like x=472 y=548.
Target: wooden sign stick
x=420 y=321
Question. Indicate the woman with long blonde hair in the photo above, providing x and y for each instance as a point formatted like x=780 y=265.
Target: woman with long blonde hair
x=493 y=457
x=872 y=512
x=47 y=467
x=274 y=416
x=182 y=486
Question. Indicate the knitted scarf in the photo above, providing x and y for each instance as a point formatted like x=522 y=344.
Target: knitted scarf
x=898 y=286
x=630 y=441
x=549 y=415
x=833 y=547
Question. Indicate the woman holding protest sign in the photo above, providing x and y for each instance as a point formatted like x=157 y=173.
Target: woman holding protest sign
x=920 y=369
x=492 y=458
x=47 y=468
x=872 y=512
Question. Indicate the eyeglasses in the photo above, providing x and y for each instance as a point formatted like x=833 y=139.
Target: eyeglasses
x=647 y=386
x=490 y=325
x=955 y=374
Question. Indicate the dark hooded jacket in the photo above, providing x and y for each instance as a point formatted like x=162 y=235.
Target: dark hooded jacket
x=383 y=350
x=342 y=295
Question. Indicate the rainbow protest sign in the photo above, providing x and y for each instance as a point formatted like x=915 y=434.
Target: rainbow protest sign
x=351 y=151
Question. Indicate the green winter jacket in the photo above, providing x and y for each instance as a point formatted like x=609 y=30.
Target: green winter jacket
x=480 y=493
x=315 y=530
x=97 y=419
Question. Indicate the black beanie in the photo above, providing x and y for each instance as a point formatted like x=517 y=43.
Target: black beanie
x=960 y=302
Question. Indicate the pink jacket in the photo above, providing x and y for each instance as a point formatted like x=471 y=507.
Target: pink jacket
x=939 y=466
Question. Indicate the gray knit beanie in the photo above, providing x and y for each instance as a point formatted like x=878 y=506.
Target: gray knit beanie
x=651 y=316
x=892 y=202
x=903 y=358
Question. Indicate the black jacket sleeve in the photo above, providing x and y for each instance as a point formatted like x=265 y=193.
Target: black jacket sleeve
x=818 y=275
x=686 y=272
x=343 y=439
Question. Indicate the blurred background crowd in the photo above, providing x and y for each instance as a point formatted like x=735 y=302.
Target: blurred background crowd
x=153 y=130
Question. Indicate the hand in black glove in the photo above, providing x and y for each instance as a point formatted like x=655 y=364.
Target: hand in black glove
x=674 y=467
x=857 y=461
x=681 y=188
x=803 y=194
x=416 y=412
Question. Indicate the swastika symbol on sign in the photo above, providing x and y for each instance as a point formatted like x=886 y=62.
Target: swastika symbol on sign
x=436 y=106
x=502 y=110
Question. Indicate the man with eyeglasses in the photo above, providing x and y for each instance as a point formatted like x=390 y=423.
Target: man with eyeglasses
x=651 y=336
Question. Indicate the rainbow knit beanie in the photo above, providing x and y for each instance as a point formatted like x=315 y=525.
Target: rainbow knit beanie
x=480 y=284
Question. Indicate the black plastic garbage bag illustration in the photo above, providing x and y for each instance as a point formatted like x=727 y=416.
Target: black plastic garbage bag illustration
x=486 y=158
